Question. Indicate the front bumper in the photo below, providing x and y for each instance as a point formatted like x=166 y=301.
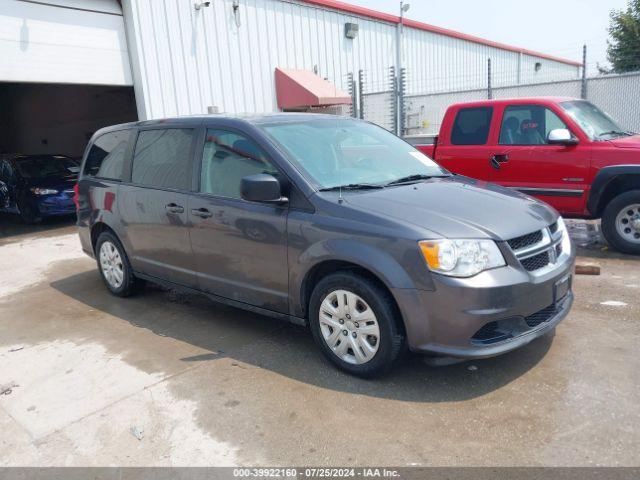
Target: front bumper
x=492 y=313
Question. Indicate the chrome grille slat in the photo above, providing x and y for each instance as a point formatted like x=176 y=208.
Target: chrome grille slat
x=535 y=256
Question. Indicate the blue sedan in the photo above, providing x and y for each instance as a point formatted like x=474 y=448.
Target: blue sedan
x=38 y=186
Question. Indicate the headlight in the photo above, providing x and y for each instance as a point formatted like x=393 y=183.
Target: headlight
x=566 y=240
x=43 y=191
x=461 y=258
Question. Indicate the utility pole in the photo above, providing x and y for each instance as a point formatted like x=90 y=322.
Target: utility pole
x=404 y=7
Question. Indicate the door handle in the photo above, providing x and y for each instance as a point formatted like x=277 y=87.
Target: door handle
x=174 y=208
x=497 y=159
x=201 y=212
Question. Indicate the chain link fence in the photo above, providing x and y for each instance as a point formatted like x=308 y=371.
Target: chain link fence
x=387 y=104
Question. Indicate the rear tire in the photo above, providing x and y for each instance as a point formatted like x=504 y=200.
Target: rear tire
x=357 y=305
x=621 y=222
x=114 y=266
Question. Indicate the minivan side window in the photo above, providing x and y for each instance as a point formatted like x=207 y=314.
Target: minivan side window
x=226 y=158
x=162 y=158
x=528 y=125
x=106 y=156
x=471 y=126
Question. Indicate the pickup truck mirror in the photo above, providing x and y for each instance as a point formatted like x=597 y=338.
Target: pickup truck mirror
x=262 y=188
x=561 y=136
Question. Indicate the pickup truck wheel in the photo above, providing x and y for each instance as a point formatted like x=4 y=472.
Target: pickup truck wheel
x=114 y=266
x=621 y=222
x=354 y=322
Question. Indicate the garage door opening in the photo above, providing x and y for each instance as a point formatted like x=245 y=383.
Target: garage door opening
x=59 y=119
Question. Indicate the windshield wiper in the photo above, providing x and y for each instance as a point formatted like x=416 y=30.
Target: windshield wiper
x=411 y=178
x=613 y=132
x=352 y=186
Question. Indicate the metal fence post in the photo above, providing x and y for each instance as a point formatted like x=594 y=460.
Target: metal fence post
x=489 y=88
x=353 y=110
x=361 y=94
x=402 y=91
x=394 y=98
x=583 y=89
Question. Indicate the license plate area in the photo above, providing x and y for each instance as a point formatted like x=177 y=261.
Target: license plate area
x=561 y=288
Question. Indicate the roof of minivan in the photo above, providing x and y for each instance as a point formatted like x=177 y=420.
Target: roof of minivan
x=253 y=118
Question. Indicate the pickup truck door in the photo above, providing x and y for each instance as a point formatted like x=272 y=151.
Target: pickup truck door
x=466 y=146
x=523 y=160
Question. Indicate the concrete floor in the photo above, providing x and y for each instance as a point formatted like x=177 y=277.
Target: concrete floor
x=165 y=379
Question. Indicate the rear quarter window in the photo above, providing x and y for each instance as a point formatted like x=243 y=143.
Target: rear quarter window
x=162 y=158
x=471 y=126
x=106 y=156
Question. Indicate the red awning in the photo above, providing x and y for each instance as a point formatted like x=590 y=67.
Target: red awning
x=298 y=89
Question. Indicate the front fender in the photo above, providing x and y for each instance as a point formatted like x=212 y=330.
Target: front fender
x=602 y=179
x=370 y=257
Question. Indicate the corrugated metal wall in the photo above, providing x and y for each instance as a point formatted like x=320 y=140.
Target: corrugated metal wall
x=185 y=60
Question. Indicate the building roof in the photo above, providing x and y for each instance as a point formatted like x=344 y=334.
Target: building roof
x=386 y=17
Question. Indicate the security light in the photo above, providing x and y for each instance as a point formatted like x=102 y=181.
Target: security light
x=198 y=5
x=405 y=7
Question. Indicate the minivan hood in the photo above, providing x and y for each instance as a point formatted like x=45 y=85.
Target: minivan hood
x=459 y=207
x=627 y=142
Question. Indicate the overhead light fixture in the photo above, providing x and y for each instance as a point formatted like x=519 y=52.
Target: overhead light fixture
x=405 y=7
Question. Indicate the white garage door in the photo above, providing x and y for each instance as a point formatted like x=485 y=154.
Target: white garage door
x=63 y=41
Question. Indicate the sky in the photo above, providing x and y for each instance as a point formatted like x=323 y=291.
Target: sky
x=556 y=27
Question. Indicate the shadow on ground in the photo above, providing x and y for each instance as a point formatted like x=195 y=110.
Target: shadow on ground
x=13 y=226
x=288 y=350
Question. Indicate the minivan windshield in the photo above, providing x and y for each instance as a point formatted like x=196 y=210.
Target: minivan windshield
x=596 y=124
x=349 y=153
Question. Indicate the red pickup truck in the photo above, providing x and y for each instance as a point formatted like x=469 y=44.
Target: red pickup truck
x=563 y=151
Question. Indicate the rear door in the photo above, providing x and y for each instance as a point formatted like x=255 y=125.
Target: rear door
x=153 y=204
x=239 y=247
x=555 y=174
x=467 y=148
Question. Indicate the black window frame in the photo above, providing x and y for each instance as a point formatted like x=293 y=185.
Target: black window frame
x=523 y=106
x=125 y=160
x=490 y=109
x=195 y=128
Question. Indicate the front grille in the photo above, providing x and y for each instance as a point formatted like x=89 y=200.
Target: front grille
x=536 y=262
x=543 y=315
x=525 y=240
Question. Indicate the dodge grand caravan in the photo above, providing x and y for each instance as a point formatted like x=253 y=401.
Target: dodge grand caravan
x=328 y=222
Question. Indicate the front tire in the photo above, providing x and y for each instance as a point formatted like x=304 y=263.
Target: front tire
x=114 y=266
x=356 y=324
x=28 y=213
x=621 y=222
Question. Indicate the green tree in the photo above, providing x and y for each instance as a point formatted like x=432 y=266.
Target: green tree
x=624 y=46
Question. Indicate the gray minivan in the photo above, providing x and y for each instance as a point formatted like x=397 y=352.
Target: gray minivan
x=329 y=222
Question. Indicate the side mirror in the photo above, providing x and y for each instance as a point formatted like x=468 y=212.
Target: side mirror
x=561 y=136
x=263 y=188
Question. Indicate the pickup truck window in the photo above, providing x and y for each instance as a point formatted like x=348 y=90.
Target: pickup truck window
x=528 y=125
x=471 y=126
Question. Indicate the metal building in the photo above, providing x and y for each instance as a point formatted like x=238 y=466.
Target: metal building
x=224 y=55
x=191 y=56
